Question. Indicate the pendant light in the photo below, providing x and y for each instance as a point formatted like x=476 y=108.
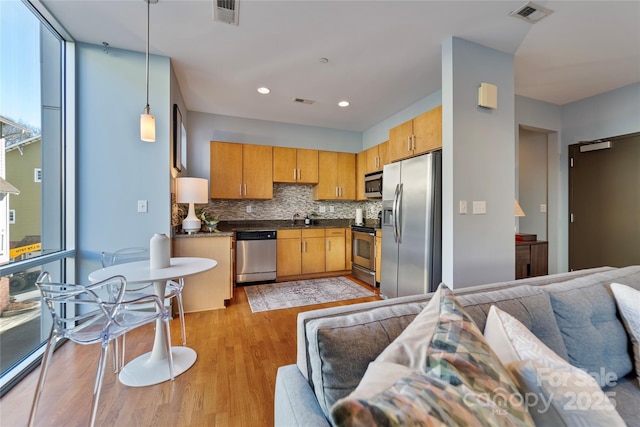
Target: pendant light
x=147 y=120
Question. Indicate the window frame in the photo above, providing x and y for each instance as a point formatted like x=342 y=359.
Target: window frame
x=66 y=255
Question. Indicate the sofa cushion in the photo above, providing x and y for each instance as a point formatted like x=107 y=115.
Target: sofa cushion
x=530 y=305
x=626 y=394
x=563 y=396
x=628 y=302
x=586 y=313
x=459 y=381
x=341 y=348
x=556 y=392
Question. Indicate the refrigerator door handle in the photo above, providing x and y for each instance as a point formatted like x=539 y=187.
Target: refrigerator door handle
x=394 y=208
x=399 y=214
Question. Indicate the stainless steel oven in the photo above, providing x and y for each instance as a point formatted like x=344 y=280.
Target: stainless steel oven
x=363 y=257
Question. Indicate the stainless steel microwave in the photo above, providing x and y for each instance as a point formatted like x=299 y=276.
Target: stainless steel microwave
x=373 y=185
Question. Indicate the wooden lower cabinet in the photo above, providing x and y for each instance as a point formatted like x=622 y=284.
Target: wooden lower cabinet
x=335 y=249
x=311 y=251
x=289 y=253
x=207 y=290
x=532 y=259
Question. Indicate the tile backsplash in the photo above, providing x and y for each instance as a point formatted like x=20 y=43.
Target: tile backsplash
x=288 y=199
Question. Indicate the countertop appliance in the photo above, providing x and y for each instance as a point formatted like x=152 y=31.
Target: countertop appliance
x=412 y=226
x=363 y=251
x=373 y=185
x=255 y=256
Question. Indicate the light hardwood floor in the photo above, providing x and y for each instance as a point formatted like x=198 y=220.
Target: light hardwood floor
x=231 y=384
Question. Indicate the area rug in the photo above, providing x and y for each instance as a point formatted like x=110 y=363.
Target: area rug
x=275 y=296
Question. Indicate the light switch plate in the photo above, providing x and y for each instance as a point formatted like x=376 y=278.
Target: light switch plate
x=323 y=209
x=142 y=206
x=249 y=209
x=479 y=207
x=543 y=208
x=463 y=207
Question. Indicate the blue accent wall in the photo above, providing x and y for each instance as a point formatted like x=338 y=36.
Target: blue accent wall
x=115 y=169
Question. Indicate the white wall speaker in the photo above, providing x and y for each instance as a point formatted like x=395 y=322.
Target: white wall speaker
x=488 y=96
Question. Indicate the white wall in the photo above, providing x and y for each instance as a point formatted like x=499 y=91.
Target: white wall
x=478 y=165
x=543 y=117
x=204 y=128
x=532 y=182
x=114 y=168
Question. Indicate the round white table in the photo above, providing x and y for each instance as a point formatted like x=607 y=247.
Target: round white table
x=151 y=368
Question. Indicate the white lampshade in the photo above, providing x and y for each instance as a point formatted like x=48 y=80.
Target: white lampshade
x=518 y=209
x=147 y=127
x=192 y=190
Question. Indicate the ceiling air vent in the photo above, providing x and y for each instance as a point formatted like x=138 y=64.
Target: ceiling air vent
x=226 y=11
x=531 y=12
x=303 y=101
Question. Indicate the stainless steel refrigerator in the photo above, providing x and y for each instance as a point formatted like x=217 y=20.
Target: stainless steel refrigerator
x=412 y=226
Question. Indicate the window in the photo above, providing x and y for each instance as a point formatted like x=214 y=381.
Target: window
x=33 y=220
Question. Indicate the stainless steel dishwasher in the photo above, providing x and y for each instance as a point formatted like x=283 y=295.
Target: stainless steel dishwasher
x=255 y=256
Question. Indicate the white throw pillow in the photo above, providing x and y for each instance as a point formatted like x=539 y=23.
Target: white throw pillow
x=628 y=300
x=555 y=392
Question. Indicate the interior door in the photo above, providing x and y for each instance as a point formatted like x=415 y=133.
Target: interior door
x=604 y=203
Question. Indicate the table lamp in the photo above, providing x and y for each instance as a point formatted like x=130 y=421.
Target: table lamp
x=192 y=190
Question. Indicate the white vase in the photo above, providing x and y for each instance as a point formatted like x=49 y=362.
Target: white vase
x=159 y=251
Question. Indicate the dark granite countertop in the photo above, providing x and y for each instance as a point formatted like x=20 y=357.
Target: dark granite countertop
x=227 y=228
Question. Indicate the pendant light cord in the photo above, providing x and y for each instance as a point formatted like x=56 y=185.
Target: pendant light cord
x=147 y=57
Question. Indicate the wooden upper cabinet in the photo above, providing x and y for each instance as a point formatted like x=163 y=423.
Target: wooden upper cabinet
x=400 y=141
x=346 y=176
x=307 y=166
x=240 y=171
x=295 y=165
x=336 y=176
x=225 y=174
x=361 y=170
x=427 y=129
x=417 y=136
x=257 y=171
x=377 y=157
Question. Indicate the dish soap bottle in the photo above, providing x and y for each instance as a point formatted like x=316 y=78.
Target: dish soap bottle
x=307 y=220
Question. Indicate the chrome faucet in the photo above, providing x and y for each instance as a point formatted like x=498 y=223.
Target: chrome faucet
x=294 y=216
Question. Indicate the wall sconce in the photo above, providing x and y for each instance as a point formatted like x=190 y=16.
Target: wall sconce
x=192 y=190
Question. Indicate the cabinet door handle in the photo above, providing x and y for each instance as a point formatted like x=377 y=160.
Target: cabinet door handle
x=336 y=191
x=305 y=246
x=240 y=190
x=409 y=143
x=413 y=139
x=300 y=246
x=294 y=174
x=328 y=245
x=245 y=189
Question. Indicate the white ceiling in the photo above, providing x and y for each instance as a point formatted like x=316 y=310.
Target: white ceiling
x=383 y=55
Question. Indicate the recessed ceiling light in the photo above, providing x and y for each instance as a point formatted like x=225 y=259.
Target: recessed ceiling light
x=343 y=104
x=264 y=90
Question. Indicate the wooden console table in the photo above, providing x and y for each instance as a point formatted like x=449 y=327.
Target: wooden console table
x=531 y=259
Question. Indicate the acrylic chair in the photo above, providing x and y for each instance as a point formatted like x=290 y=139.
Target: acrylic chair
x=93 y=314
x=173 y=289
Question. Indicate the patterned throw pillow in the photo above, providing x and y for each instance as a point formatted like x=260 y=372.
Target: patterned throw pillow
x=459 y=381
x=557 y=393
x=628 y=301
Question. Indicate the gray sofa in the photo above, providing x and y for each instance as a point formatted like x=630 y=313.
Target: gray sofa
x=574 y=314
